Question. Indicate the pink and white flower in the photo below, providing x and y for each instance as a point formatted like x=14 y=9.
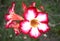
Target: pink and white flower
x=34 y=22
x=11 y=19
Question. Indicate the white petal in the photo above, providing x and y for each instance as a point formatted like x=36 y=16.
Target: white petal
x=43 y=27
x=30 y=14
x=34 y=32
x=25 y=27
x=42 y=17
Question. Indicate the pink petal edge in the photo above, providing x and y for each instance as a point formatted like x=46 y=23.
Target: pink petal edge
x=33 y=4
x=8 y=23
x=6 y=17
x=24 y=6
x=11 y=9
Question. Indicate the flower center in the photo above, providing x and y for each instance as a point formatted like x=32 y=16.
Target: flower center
x=34 y=23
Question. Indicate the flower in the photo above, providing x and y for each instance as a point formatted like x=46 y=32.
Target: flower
x=35 y=22
x=12 y=15
x=15 y=26
x=11 y=19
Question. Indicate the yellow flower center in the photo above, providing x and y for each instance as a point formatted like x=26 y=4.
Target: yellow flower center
x=34 y=23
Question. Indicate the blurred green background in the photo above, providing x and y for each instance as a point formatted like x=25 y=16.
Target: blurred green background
x=52 y=7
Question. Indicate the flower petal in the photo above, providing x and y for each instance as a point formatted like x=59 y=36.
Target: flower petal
x=17 y=32
x=24 y=6
x=16 y=17
x=43 y=27
x=13 y=17
x=30 y=13
x=42 y=17
x=8 y=23
x=11 y=9
x=25 y=27
x=14 y=25
x=33 y=4
x=42 y=7
x=9 y=17
x=34 y=33
x=6 y=17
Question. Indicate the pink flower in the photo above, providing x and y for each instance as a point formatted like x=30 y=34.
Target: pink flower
x=35 y=22
x=15 y=26
x=11 y=19
x=12 y=15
